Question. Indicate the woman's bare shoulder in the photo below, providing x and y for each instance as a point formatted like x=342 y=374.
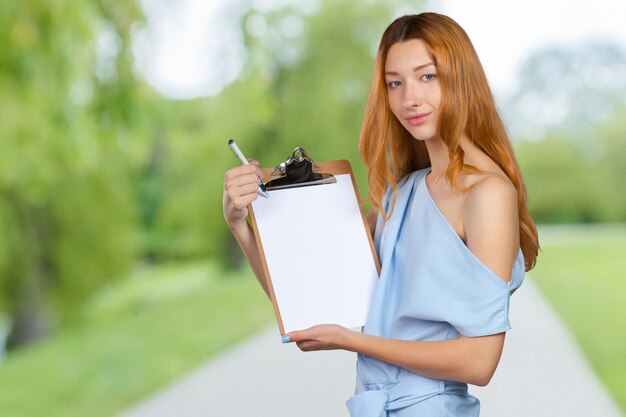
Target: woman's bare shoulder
x=490 y=188
x=491 y=223
x=492 y=198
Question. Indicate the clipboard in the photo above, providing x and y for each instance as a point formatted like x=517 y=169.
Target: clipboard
x=316 y=249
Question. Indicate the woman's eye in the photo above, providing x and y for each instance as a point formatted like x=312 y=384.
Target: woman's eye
x=393 y=84
x=429 y=77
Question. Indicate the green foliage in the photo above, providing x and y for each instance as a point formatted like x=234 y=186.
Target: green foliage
x=65 y=198
x=570 y=181
x=572 y=154
x=560 y=181
x=578 y=270
x=98 y=250
x=137 y=342
x=612 y=143
x=189 y=221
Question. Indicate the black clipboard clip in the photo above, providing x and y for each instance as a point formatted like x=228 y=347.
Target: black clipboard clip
x=298 y=171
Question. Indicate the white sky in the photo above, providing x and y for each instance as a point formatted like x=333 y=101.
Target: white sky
x=183 y=56
x=182 y=53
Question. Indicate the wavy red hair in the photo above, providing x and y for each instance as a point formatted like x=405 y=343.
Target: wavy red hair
x=467 y=107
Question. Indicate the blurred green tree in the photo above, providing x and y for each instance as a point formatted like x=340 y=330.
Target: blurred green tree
x=567 y=117
x=69 y=111
x=304 y=84
x=611 y=144
x=188 y=221
x=571 y=181
x=562 y=183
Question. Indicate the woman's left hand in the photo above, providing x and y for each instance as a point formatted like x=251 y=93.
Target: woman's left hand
x=320 y=337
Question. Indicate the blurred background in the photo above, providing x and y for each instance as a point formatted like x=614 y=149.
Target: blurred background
x=118 y=272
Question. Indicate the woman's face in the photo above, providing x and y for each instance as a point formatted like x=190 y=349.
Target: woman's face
x=413 y=88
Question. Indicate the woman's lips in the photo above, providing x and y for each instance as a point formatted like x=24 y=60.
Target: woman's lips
x=418 y=119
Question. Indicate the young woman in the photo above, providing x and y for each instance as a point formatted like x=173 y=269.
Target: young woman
x=451 y=226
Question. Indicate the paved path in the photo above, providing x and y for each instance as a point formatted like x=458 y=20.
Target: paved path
x=542 y=374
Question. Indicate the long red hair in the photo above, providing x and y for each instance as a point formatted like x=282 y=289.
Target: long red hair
x=467 y=107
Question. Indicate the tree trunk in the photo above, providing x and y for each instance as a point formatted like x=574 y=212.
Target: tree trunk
x=28 y=274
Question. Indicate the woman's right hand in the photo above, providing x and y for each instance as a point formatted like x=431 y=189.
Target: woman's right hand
x=241 y=185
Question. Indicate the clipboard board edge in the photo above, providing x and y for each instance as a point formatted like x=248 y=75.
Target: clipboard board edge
x=336 y=167
x=266 y=271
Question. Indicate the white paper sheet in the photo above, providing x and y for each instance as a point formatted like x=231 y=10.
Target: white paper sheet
x=318 y=254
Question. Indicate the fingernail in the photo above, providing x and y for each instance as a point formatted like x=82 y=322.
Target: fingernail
x=254 y=160
x=286 y=339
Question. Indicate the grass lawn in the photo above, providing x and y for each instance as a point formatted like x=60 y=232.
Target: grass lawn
x=582 y=272
x=139 y=336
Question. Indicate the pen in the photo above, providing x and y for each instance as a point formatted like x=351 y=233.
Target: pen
x=233 y=147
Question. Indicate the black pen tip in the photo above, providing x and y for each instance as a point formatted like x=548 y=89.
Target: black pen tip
x=230 y=142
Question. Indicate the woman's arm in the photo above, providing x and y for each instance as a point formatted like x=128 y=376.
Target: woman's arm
x=241 y=189
x=491 y=224
x=467 y=359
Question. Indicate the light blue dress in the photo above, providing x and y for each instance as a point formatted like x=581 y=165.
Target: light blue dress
x=431 y=288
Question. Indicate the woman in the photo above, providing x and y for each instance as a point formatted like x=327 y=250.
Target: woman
x=451 y=227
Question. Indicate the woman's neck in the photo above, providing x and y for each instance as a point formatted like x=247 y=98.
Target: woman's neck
x=438 y=154
x=439 y=157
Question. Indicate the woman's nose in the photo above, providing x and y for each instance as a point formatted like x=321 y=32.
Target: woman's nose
x=411 y=97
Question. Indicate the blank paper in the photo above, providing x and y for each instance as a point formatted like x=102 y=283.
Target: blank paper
x=318 y=254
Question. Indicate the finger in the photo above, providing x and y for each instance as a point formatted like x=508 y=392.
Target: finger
x=253 y=177
x=300 y=335
x=249 y=189
x=241 y=184
x=246 y=200
x=293 y=337
x=257 y=164
x=240 y=170
x=307 y=346
x=240 y=203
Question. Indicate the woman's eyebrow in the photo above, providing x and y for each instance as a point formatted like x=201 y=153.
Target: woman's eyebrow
x=419 y=67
